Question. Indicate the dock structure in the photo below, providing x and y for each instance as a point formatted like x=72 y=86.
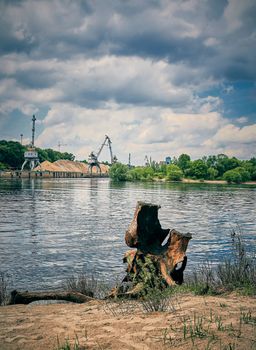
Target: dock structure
x=59 y=169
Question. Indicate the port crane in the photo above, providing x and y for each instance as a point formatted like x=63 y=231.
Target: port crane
x=93 y=158
x=31 y=155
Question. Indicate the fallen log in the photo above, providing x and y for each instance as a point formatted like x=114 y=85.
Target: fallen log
x=28 y=297
x=153 y=264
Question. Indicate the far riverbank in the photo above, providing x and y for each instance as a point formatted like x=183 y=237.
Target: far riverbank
x=215 y=182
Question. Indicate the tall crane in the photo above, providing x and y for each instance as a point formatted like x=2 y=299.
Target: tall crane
x=93 y=158
x=31 y=155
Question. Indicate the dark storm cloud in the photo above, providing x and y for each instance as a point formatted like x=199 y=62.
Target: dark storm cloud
x=172 y=30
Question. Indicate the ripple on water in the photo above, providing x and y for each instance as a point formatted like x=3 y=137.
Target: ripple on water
x=51 y=228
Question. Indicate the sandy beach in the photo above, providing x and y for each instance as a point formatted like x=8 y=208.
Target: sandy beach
x=211 y=322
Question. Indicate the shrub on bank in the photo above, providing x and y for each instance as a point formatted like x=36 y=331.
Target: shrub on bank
x=236 y=175
x=174 y=173
x=119 y=172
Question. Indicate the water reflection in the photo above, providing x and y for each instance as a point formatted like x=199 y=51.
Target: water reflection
x=50 y=228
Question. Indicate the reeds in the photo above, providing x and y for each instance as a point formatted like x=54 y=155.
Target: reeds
x=238 y=272
x=4 y=278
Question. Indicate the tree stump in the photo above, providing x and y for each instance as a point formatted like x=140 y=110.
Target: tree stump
x=152 y=264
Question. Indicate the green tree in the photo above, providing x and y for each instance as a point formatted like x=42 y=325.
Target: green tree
x=198 y=169
x=183 y=162
x=211 y=161
x=236 y=175
x=224 y=163
x=250 y=167
x=3 y=166
x=174 y=173
x=11 y=154
x=118 y=172
x=244 y=173
x=42 y=154
x=163 y=168
x=212 y=173
x=143 y=173
x=52 y=156
x=232 y=176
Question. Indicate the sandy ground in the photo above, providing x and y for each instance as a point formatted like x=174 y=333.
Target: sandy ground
x=226 y=322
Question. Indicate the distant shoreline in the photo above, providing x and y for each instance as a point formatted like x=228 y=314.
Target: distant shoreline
x=208 y=182
x=40 y=175
x=216 y=182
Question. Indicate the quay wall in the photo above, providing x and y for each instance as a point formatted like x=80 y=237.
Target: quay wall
x=49 y=174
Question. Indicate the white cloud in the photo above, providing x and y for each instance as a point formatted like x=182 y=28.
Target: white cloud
x=231 y=134
x=242 y=120
x=141 y=72
x=137 y=130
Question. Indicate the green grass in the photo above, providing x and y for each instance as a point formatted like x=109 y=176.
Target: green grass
x=212 y=332
x=247 y=318
x=4 y=278
x=68 y=346
x=237 y=273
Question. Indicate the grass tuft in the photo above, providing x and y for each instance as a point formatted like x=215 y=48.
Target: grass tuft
x=4 y=278
x=238 y=272
x=86 y=284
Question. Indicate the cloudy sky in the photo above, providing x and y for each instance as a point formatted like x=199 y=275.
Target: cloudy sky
x=160 y=77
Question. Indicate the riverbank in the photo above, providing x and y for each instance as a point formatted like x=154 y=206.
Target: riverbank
x=208 y=182
x=215 y=182
x=211 y=322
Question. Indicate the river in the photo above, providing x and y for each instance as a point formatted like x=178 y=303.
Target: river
x=53 y=228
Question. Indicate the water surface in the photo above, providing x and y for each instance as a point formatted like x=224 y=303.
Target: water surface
x=52 y=228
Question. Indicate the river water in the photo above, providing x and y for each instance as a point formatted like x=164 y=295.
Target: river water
x=53 y=228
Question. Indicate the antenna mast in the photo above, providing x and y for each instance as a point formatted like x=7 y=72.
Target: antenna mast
x=33 y=131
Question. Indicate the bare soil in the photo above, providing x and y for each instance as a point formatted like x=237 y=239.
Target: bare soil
x=191 y=322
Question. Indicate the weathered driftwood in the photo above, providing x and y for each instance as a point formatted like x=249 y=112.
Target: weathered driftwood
x=28 y=297
x=153 y=262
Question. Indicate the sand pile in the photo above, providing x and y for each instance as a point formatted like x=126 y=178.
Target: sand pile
x=69 y=166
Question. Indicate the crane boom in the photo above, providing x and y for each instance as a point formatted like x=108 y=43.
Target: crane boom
x=101 y=147
x=106 y=142
x=93 y=158
x=110 y=150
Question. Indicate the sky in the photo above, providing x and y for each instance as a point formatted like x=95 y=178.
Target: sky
x=159 y=77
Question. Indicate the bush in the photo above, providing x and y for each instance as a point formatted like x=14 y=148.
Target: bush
x=118 y=172
x=232 y=176
x=141 y=174
x=174 y=173
x=236 y=175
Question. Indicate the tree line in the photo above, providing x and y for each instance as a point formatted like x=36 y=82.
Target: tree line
x=12 y=155
x=214 y=167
